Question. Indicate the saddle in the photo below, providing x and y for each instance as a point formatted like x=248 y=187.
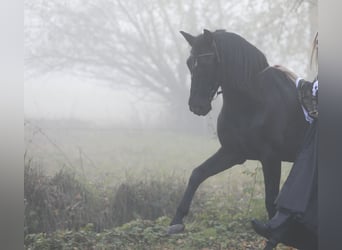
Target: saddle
x=308 y=97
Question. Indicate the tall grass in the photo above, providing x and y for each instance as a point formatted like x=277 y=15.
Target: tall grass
x=66 y=201
x=109 y=177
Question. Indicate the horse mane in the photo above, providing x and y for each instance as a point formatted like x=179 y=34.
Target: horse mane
x=241 y=61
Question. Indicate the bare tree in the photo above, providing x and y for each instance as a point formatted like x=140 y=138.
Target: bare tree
x=133 y=44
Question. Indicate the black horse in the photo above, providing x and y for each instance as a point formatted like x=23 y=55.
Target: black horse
x=261 y=117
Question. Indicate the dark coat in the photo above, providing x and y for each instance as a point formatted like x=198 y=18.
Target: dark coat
x=298 y=196
x=301 y=184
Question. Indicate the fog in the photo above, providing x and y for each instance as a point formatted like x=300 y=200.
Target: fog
x=109 y=136
x=68 y=98
x=123 y=64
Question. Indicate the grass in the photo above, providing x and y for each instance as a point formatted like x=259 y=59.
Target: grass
x=115 y=155
x=218 y=226
x=138 y=177
x=124 y=152
x=64 y=212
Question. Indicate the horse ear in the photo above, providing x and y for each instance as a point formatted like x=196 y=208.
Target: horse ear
x=208 y=36
x=188 y=37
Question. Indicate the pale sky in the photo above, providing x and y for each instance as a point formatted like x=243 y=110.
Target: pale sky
x=65 y=97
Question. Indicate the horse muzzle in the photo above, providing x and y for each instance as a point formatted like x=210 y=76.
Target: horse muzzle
x=199 y=108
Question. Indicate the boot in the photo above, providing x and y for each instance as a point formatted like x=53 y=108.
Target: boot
x=261 y=228
x=274 y=230
x=270 y=245
x=274 y=236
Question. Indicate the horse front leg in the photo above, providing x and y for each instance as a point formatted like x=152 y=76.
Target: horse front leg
x=272 y=171
x=217 y=163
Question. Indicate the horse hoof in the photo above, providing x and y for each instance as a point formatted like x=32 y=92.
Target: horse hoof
x=176 y=229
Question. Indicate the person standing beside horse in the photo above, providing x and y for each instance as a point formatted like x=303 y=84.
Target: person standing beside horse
x=295 y=222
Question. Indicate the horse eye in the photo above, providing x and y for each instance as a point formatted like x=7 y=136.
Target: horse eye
x=191 y=62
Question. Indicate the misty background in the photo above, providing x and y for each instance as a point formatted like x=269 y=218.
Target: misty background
x=107 y=86
x=122 y=63
x=109 y=137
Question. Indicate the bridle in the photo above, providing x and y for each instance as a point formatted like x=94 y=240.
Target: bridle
x=215 y=89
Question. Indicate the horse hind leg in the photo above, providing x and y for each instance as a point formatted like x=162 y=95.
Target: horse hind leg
x=217 y=163
x=272 y=170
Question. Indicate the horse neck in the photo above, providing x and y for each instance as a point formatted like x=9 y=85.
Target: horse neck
x=239 y=69
x=236 y=95
x=235 y=90
x=231 y=95
x=241 y=62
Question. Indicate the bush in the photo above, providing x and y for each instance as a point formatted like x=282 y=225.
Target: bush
x=64 y=202
x=66 y=212
x=60 y=202
x=146 y=200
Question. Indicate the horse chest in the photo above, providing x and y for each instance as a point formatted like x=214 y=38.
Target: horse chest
x=241 y=132
x=235 y=132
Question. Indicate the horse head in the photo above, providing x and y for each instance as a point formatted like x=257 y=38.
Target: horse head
x=203 y=64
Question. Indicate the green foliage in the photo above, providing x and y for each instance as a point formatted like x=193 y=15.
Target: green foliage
x=147 y=234
x=66 y=202
x=212 y=229
x=127 y=202
x=61 y=202
x=218 y=220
